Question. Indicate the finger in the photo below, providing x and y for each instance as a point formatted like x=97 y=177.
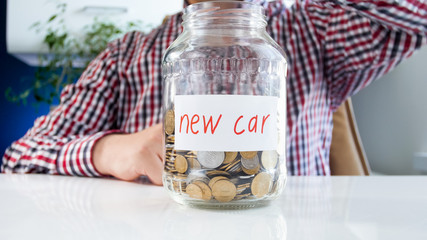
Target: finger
x=158 y=150
x=158 y=132
x=152 y=167
x=155 y=171
x=156 y=143
x=157 y=128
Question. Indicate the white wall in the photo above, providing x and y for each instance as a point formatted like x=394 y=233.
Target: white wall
x=21 y=14
x=392 y=116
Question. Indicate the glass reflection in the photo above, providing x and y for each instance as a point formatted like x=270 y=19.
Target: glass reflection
x=81 y=208
x=259 y=223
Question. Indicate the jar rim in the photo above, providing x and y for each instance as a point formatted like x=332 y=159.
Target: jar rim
x=224 y=9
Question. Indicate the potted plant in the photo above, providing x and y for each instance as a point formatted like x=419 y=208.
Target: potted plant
x=67 y=57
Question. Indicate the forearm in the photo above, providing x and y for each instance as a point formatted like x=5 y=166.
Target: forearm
x=364 y=40
x=402 y=15
x=61 y=142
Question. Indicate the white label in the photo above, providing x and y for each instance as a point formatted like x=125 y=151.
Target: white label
x=225 y=123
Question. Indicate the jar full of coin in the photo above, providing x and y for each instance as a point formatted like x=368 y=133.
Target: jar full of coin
x=224 y=105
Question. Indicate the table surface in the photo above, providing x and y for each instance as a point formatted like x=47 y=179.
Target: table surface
x=59 y=207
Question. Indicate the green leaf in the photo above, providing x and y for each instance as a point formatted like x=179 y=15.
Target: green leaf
x=37 y=83
x=50 y=39
x=24 y=94
x=34 y=25
x=58 y=70
x=9 y=94
x=52 y=18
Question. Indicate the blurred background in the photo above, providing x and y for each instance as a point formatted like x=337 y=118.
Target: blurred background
x=19 y=56
x=391 y=113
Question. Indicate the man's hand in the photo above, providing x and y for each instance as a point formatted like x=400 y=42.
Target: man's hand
x=128 y=156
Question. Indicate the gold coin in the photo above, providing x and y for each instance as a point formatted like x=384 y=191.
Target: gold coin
x=193 y=163
x=171 y=138
x=215 y=173
x=194 y=191
x=181 y=164
x=234 y=167
x=170 y=122
x=269 y=159
x=224 y=191
x=261 y=184
x=229 y=157
x=180 y=176
x=248 y=155
x=215 y=179
x=238 y=197
x=206 y=190
x=231 y=165
x=178 y=189
x=192 y=153
x=251 y=171
x=245 y=185
x=179 y=186
x=170 y=165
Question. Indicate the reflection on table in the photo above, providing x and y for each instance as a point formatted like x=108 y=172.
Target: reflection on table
x=58 y=207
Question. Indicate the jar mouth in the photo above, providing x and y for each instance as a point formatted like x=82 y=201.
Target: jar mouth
x=222 y=11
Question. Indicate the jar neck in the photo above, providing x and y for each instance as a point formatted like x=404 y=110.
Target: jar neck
x=224 y=15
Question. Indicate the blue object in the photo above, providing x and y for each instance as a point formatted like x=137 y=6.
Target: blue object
x=15 y=119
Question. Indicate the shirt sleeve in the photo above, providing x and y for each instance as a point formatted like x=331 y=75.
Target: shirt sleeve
x=62 y=141
x=363 y=40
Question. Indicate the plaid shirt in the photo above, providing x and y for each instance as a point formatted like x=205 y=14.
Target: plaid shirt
x=335 y=48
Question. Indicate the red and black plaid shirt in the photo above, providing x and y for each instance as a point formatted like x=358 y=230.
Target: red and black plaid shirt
x=335 y=48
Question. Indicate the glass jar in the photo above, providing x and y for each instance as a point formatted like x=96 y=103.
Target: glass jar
x=224 y=105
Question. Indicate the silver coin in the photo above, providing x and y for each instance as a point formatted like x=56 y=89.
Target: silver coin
x=251 y=163
x=269 y=159
x=236 y=168
x=210 y=159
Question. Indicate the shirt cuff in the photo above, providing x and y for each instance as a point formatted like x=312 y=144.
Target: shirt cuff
x=75 y=157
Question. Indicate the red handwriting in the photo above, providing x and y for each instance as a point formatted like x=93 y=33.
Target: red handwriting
x=254 y=121
x=235 y=126
x=182 y=119
x=264 y=118
x=252 y=124
x=194 y=120
x=210 y=124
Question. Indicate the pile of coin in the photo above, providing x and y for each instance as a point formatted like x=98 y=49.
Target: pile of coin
x=218 y=176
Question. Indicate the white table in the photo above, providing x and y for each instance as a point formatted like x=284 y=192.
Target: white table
x=58 y=207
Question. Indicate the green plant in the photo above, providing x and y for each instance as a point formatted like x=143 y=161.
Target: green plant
x=67 y=57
